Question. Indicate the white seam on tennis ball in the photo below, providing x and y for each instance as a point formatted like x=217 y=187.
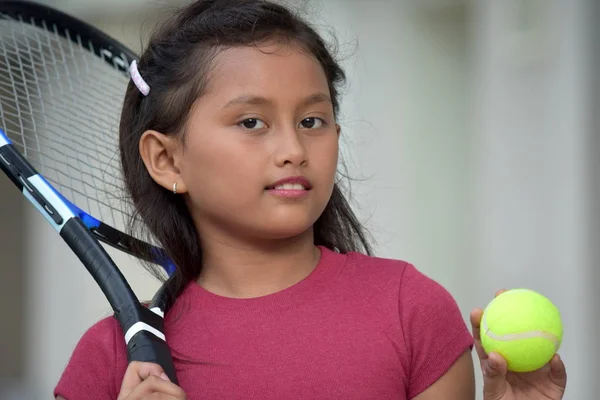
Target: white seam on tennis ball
x=516 y=336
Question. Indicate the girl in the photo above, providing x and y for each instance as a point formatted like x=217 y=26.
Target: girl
x=229 y=149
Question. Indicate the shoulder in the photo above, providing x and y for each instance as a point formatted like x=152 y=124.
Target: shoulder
x=418 y=295
x=373 y=268
x=398 y=285
x=102 y=334
x=431 y=327
x=98 y=359
x=399 y=275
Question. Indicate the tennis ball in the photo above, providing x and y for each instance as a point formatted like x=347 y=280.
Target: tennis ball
x=522 y=326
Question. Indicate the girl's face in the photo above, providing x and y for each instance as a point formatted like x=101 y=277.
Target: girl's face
x=266 y=116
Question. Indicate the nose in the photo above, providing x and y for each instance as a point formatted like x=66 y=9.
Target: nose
x=290 y=150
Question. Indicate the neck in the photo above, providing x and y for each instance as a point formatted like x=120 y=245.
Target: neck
x=243 y=270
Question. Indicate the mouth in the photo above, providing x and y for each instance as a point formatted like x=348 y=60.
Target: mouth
x=295 y=183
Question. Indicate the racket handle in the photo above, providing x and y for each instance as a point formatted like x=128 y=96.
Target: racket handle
x=143 y=346
x=146 y=347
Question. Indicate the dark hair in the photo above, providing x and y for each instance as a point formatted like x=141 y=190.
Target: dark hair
x=175 y=64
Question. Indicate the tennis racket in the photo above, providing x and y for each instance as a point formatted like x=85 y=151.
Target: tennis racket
x=62 y=83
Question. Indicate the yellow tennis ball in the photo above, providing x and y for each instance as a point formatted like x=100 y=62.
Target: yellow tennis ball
x=522 y=326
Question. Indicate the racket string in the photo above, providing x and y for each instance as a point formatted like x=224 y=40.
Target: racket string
x=60 y=105
x=78 y=167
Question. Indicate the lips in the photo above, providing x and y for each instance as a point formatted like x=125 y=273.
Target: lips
x=291 y=183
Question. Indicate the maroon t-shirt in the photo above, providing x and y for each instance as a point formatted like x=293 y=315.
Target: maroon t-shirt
x=357 y=327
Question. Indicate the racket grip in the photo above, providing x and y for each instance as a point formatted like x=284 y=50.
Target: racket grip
x=143 y=346
x=146 y=347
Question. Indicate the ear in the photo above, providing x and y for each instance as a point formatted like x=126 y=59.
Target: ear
x=338 y=129
x=162 y=155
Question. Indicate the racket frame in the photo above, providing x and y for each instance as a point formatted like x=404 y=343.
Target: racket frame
x=143 y=327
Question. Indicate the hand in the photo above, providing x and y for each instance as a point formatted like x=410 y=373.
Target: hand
x=547 y=383
x=144 y=381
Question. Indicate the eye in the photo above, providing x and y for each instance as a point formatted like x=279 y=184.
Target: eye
x=252 y=124
x=312 y=123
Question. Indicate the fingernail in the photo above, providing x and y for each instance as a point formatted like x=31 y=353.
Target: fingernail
x=165 y=377
x=492 y=363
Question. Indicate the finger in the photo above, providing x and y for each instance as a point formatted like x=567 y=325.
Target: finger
x=476 y=315
x=558 y=372
x=494 y=376
x=136 y=373
x=155 y=386
x=159 y=396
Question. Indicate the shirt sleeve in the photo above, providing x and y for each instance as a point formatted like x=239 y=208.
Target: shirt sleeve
x=434 y=330
x=96 y=362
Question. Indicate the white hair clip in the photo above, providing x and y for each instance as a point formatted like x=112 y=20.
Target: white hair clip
x=140 y=83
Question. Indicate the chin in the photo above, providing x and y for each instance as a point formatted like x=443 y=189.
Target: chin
x=285 y=229
x=285 y=233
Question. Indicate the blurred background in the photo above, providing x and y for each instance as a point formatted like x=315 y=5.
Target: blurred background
x=471 y=129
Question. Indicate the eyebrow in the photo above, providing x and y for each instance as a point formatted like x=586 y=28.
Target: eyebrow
x=258 y=100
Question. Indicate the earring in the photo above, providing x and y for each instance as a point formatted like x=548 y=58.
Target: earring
x=174 y=187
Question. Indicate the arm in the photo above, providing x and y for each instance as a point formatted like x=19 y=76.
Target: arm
x=458 y=383
x=439 y=343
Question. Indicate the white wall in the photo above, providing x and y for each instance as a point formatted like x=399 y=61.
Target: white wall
x=12 y=284
x=533 y=121
x=406 y=131
x=474 y=159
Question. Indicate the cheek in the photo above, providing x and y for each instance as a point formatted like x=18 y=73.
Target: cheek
x=218 y=172
x=325 y=158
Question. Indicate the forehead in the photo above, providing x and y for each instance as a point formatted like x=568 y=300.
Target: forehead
x=268 y=70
